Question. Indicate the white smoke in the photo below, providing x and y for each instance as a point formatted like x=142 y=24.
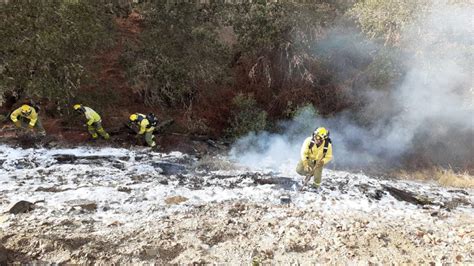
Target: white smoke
x=434 y=106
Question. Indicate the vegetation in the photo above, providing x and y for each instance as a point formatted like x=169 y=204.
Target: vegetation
x=45 y=46
x=386 y=20
x=183 y=61
x=218 y=69
x=179 y=52
x=444 y=176
x=246 y=116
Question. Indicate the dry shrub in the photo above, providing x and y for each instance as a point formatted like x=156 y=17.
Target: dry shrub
x=445 y=177
x=450 y=178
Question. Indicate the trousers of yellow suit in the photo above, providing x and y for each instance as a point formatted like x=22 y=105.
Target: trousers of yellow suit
x=317 y=172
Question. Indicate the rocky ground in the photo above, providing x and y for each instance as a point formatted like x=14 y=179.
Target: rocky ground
x=107 y=205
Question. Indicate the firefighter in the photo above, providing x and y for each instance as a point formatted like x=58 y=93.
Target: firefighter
x=27 y=116
x=316 y=152
x=145 y=125
x=94 y=122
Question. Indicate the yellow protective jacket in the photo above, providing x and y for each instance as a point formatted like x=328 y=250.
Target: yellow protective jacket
x=315 y=153
x=33 y=116
x=91 y=116
x=143 y=123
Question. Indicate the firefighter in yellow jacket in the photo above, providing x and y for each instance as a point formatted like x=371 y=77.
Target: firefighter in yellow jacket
x=145 y=126
x=94 y=122
x=316 y=152
x=27 y=116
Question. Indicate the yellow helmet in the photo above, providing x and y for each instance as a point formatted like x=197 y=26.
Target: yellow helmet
x=77 y=107
x=133 y=117
x=321 y=132
x=25 y=109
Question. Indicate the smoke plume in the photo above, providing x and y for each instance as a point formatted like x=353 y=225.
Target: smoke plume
x=427 y=118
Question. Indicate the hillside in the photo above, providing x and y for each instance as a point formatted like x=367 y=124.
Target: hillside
x=221 y=71
x=238 y=87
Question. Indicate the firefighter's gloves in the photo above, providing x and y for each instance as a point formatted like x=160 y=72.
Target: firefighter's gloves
x=18 y=123
x=319 y=163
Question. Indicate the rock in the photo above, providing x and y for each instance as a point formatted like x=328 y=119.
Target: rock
x=175 y=200
x=65 y=158
x=167 y=168
x=50 y=189
x=84 y=204
x=124 y=189
x=163 y=182
x=115 y=224
x=21 y=206
x=408 y=196
x=120 y=166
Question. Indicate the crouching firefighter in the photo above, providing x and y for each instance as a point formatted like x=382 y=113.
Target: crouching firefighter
x=27 y=116
x=145 y=125
x=94 y=122
x=316 y=152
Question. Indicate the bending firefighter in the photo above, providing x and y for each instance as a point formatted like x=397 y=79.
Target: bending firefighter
x=94 y=123
x=145 y=125
x=316 y=151
x=27 y=116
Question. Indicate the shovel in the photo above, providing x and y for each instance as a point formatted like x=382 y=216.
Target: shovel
x=306 y=180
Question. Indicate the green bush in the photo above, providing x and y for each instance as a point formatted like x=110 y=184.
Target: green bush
x=246 y=116
x=46 y=44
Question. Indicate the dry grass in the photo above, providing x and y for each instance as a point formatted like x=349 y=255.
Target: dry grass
x=445 y=177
